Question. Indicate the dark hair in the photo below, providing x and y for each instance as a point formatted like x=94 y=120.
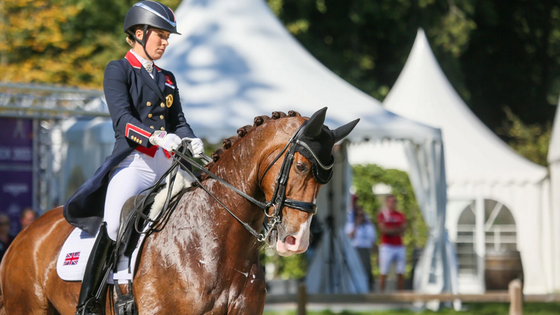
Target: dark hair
x=130 y=38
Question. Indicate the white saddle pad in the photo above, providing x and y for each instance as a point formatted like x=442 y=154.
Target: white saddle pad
x=73 y=257
x=74 y=254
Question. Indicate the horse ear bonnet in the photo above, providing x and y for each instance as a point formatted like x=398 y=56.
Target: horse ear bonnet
x=321 y=147
x=316 y=144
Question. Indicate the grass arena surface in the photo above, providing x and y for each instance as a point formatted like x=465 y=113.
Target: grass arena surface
x=468 y=309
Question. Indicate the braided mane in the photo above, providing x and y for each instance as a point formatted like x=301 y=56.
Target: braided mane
x=243 y=131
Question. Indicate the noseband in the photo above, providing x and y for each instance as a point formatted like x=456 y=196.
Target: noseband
x=278 y=200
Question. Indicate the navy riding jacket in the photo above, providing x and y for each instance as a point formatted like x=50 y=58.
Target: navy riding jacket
x=138 y=105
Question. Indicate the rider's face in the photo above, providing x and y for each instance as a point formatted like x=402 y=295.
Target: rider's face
x=156 y=43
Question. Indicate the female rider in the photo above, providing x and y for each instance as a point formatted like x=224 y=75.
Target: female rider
x=149 y=123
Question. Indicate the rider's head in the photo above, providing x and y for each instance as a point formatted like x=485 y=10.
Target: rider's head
x=146 y=17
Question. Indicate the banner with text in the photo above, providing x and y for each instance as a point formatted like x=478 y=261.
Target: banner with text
x=16 y=168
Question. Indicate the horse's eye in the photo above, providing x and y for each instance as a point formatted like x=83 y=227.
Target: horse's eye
x=302 y=167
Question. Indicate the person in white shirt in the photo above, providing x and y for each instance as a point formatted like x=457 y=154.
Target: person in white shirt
x=362 y=235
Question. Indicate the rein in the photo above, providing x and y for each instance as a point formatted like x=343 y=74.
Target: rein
x=278 y=200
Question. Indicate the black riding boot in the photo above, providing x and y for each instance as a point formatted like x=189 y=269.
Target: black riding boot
x=96 y=267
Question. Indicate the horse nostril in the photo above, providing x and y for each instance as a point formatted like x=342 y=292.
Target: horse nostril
x=290 y=240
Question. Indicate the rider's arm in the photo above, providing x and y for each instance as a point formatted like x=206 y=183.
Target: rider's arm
x=120 y=104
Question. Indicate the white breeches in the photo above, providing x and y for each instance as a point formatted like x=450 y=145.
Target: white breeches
x=135 y=173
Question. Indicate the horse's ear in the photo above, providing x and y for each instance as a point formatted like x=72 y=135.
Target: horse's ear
x=343 y=131
x=315 y=123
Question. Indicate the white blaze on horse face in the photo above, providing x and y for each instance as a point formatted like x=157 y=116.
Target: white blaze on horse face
x=295 y=243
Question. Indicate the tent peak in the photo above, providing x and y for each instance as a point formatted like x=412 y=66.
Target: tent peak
x=422 y=92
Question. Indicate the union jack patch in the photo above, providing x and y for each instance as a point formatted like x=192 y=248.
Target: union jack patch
x=168 y=82
x=71 y=259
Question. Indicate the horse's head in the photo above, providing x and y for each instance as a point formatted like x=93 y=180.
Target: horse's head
x=291 y=176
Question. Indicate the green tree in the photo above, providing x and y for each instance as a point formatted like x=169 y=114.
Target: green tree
x=512 y=60
x=531 y=141
x=67 y=42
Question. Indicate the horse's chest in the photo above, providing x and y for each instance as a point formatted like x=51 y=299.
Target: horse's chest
x=237 y=299
x=202 y=288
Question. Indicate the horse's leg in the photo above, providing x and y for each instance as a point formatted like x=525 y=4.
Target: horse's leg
x=28 y=278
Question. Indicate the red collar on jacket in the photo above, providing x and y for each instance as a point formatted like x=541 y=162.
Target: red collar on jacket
x=135 y=63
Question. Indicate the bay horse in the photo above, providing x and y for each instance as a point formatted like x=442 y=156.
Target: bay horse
x=203 y=261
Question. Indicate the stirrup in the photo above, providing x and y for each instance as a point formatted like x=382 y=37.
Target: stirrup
x=90 y=307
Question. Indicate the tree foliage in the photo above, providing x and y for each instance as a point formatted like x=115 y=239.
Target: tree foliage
x=67 y=42
x=531 y=141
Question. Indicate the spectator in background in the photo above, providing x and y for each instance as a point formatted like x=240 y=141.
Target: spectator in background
x=5 y=237
x=361 y=233
x=392 y=225
x=28 y=216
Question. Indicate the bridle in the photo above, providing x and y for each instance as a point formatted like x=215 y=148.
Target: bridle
x=278 y=200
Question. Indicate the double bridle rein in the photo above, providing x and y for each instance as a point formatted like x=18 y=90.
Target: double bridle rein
x=278 y=200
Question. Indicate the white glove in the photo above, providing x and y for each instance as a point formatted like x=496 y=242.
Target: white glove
x=196 y=146
x=166 y=141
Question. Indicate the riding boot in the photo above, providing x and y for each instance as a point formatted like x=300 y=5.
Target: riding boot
x=94 y=275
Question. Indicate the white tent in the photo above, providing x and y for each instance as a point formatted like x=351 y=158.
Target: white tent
x=554 y=170
x=237 y=61
x=484 y=175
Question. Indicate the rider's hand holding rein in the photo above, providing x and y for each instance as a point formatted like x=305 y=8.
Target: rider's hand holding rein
x=166 y=141
x=196 y=146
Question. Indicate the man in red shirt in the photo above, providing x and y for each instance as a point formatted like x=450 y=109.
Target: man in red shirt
x=392 y=225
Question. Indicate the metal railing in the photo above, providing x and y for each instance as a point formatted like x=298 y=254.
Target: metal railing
x=49 y=102
x=47 y=106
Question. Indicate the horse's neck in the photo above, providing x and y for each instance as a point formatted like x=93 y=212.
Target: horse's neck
x=205 y=227
x=239 y=165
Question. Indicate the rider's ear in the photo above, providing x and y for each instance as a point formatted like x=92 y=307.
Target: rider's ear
x=343 y=131
x=315 y=123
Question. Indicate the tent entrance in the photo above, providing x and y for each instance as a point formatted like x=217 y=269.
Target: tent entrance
x=494 y=230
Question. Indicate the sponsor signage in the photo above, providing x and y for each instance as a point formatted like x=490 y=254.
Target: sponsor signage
x=16 y=168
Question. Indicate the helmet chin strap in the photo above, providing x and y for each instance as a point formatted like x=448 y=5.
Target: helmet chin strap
x=143 y=41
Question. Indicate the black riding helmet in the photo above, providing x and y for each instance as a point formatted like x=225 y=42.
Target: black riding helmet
x=149 y=14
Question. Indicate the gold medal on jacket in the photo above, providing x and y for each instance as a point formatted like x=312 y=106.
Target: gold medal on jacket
x=169 y=100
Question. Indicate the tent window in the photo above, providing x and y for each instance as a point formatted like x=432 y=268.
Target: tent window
x=499 y=233
x=466 y=256
x=499 y=227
